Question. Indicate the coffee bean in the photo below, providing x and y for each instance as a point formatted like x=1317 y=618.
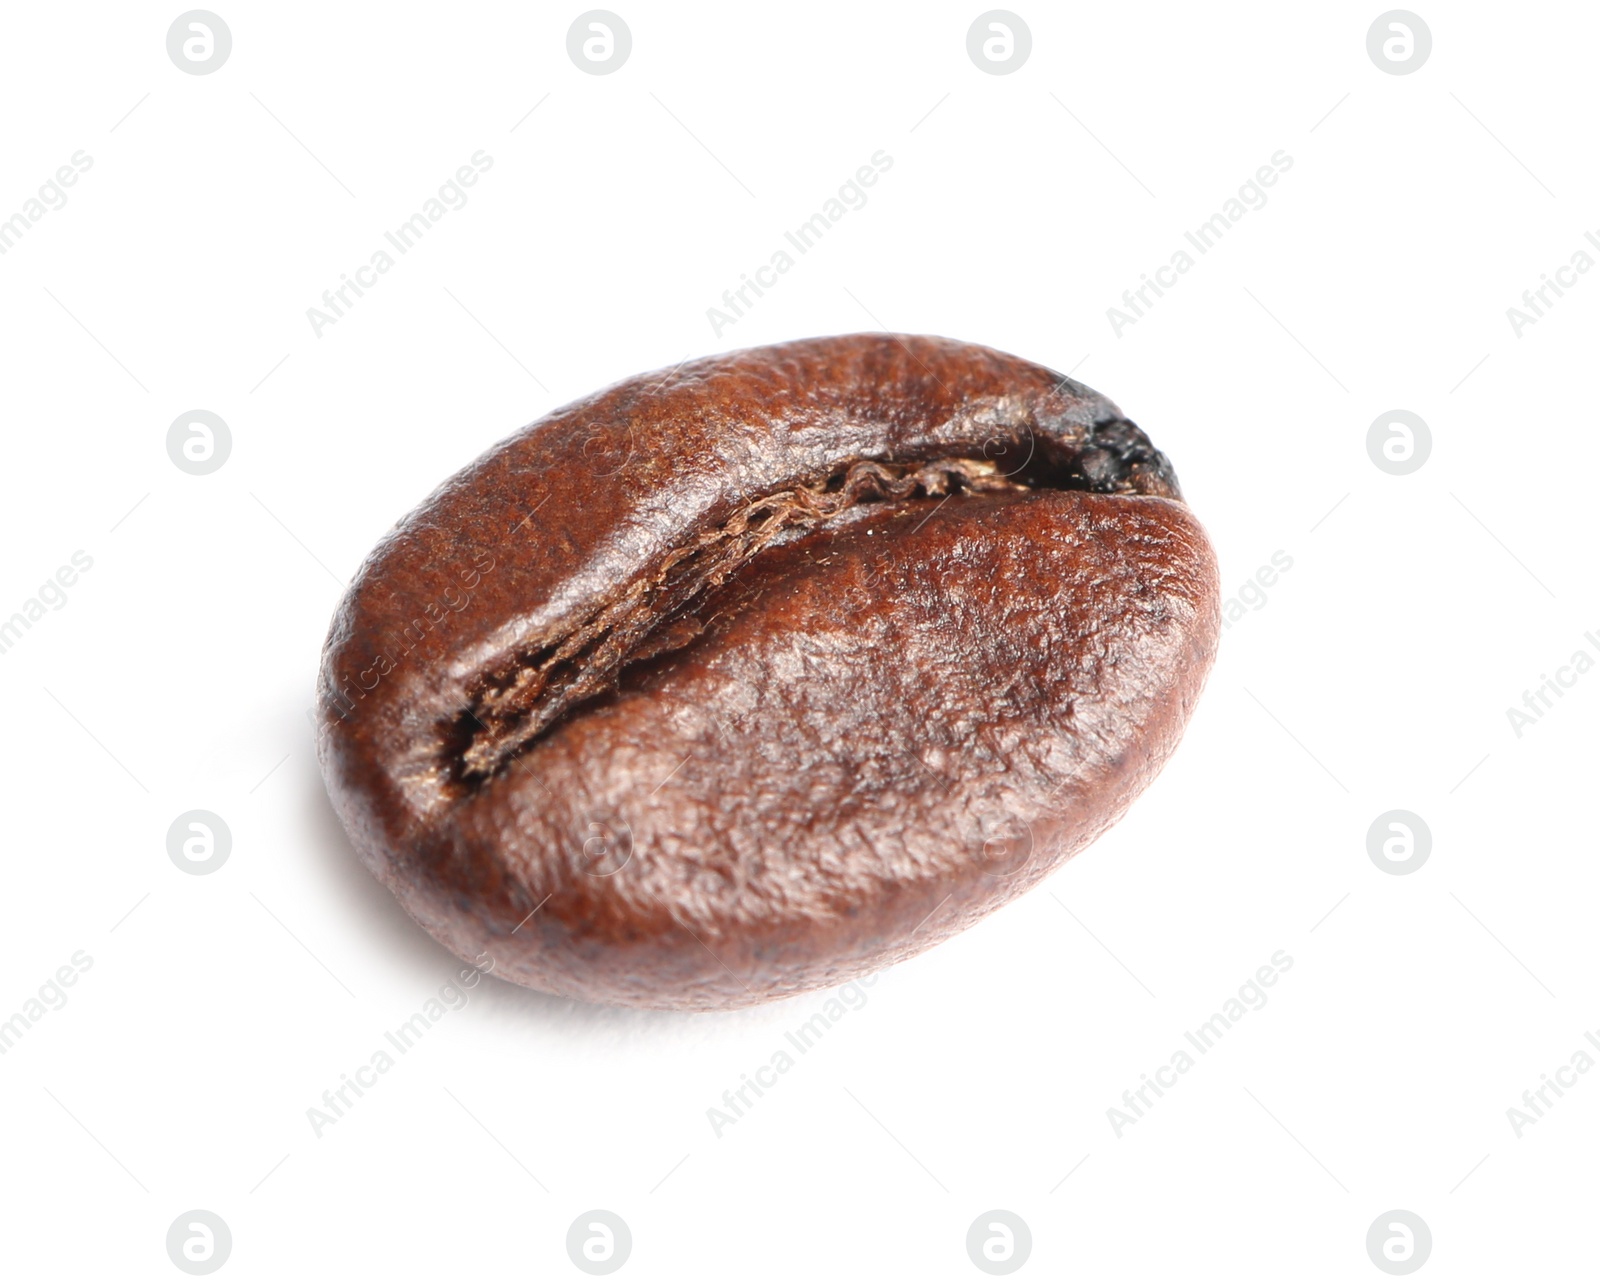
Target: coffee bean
x=746 y=678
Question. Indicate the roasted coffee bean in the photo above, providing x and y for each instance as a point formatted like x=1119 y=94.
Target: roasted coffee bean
x=746 y=678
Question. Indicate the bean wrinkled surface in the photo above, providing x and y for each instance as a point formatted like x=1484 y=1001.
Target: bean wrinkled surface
x=747 y=678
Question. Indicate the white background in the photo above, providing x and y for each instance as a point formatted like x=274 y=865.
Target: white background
x=1018 y=209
